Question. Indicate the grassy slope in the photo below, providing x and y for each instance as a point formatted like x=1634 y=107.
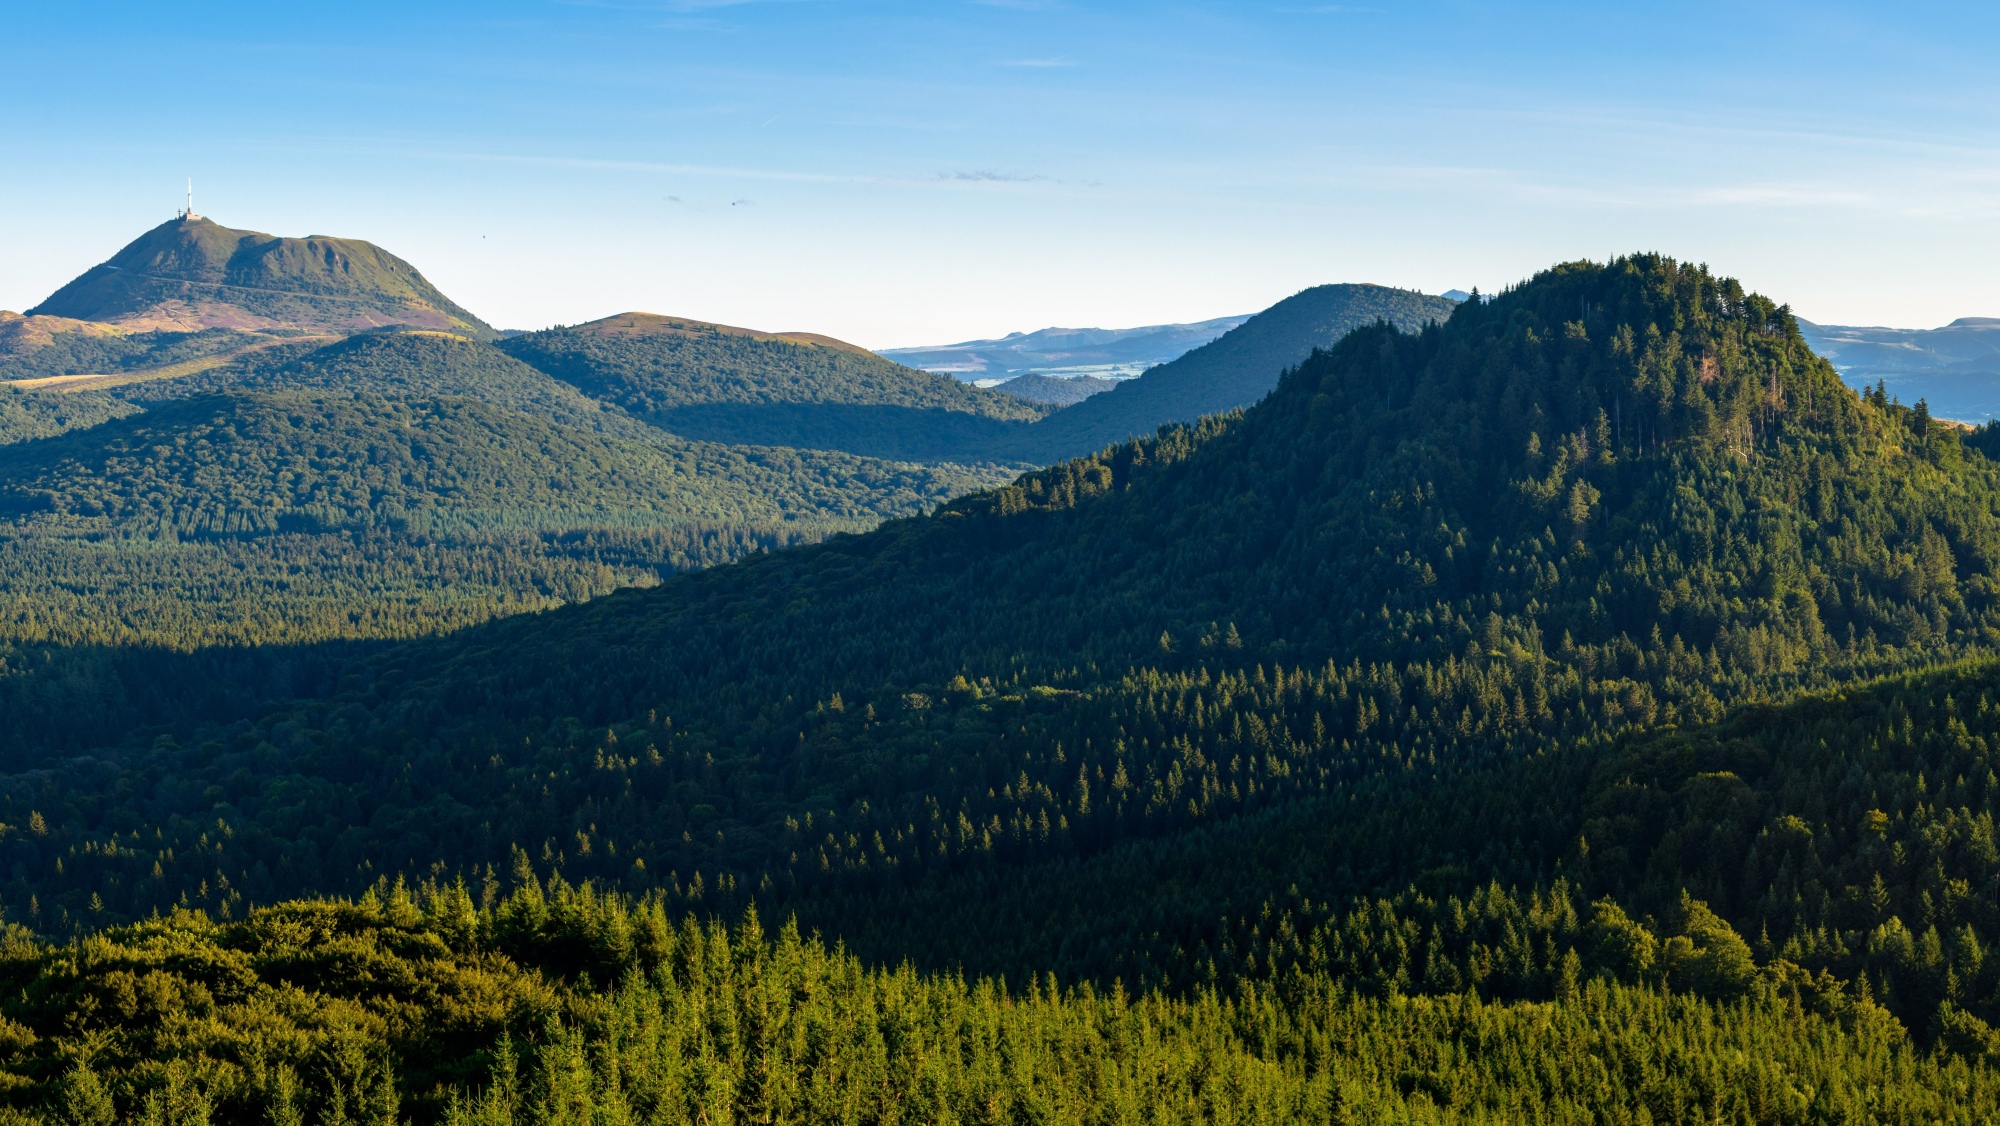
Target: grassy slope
x=199 y=273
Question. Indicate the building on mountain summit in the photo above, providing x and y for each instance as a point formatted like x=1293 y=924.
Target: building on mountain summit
x=187 y=215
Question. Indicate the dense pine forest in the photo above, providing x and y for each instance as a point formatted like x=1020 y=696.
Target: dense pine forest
x=1580 y=709
x=306 y=516
x=387 y=486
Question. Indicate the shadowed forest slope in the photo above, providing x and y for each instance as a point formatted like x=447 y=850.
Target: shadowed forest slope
x=1464 y=679
x=1481 y=539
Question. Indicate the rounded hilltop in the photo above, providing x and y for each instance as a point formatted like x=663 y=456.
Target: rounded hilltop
x=192 y=273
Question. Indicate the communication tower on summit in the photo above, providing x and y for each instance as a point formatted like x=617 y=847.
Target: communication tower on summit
x=188 y=215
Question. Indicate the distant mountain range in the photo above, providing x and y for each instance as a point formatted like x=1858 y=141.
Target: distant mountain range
x=1107 y=353
x=1955 y=369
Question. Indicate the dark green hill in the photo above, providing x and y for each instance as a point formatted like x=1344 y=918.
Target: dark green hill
x=423 y=364
x=26 y=415
x=1462 y=545
x=1057 y=391
x=280 y=518
x=78 y=353
x=1413 y=627
x=717 y=383
x=1845 y=834
x=1235 y=370
x=190 y=274
x=250 y=464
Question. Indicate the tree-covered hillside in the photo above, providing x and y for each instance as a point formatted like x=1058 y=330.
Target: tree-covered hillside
x=79 y=352
x=1461 y=681
x=1057 y=391
x=25 y=415
x=1479 y=537
x=303 y=516
x=236 y=465
x=1235 y=370
x=430 y=1008
x=404 y=364
x=715 y=383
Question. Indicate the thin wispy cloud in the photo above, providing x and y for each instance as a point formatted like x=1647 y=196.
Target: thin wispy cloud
x=990 y=177
x=935 y=183
x=1036 y=62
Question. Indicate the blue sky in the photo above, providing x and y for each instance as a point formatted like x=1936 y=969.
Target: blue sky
x=903 y=173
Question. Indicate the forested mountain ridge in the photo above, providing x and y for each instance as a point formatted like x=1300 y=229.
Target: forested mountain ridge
x=250 y=464
x=419 y=363
x=1384 y=527
x=301 y=516
x=1235 y=370
x=717 y=383
x=192 y=273
x=1176 y=704
x=1059 y=391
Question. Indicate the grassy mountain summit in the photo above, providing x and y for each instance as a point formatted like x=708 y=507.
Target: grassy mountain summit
x=1231 y=371
x=21 y=335
x=718 y=383
x=190 y=274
